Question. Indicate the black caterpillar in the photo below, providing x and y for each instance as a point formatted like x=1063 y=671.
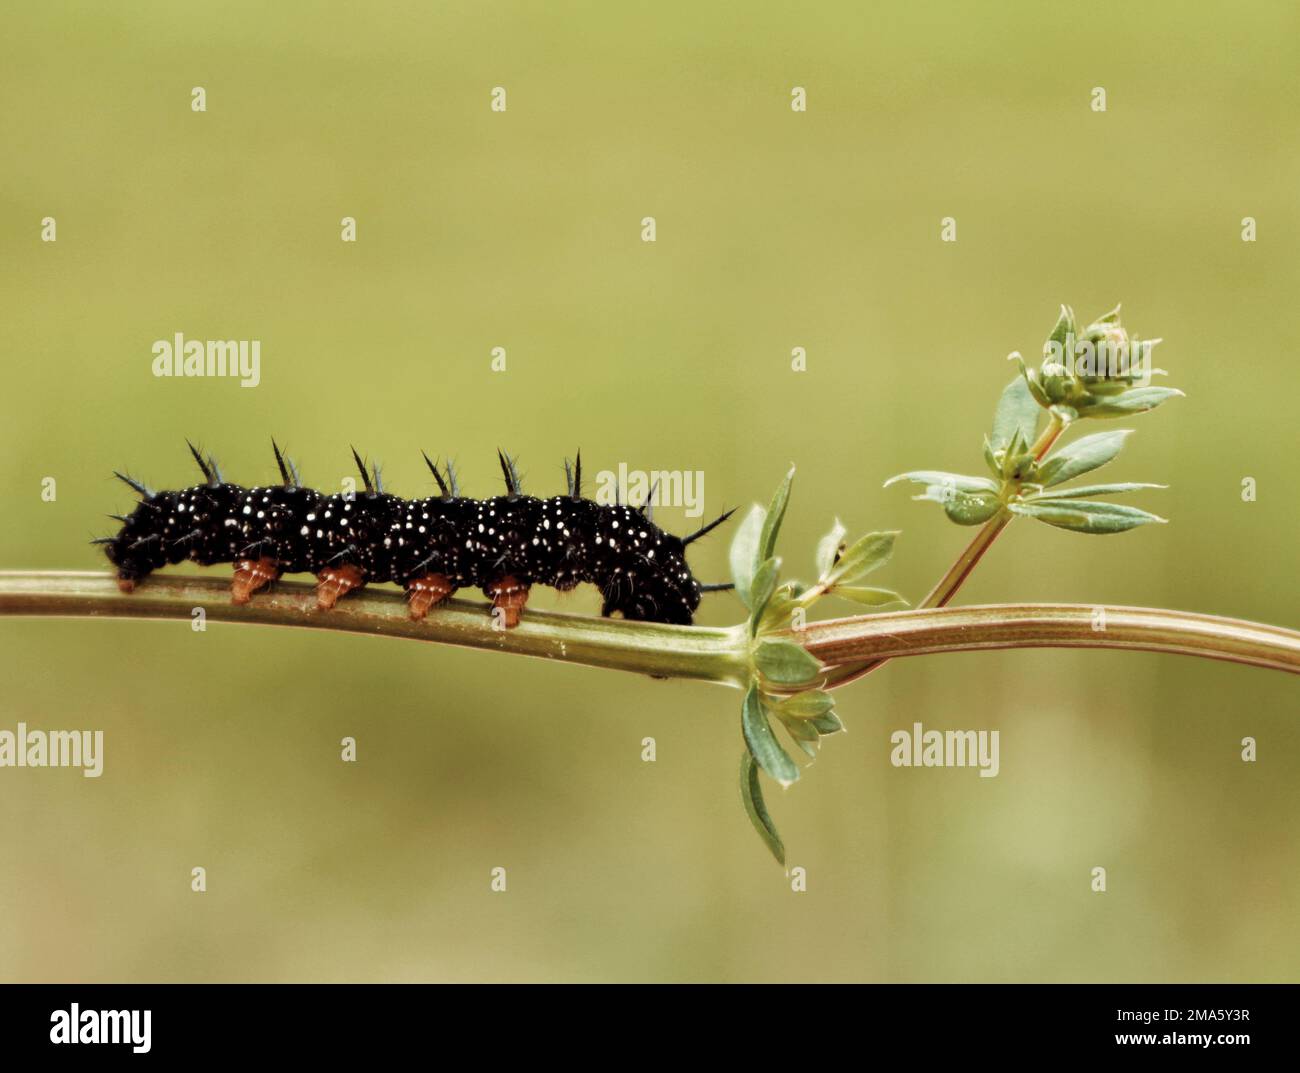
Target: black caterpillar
x=431 y=547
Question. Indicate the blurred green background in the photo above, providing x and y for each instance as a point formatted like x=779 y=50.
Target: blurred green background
x=522 y=230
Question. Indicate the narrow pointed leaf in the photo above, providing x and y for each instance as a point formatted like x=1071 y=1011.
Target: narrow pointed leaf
x=761 y=589
x=862 y=557
x=1082 y=456
x=829 y=547
x=940 y=479
x=990 y=461
x=744 y=553
x=751 y=793
x=1137 y=400
x=775 y=516
x=1064 y=326
x=1081 y=516
x=762 y=742
x=1085 y=490
x=863 y=594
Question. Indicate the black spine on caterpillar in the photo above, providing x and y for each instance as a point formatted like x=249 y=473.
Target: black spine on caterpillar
x=510 y=540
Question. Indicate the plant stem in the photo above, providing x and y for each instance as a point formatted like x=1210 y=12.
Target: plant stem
x=975 y=628
x=695 y=652
x=946 y=587
x=712 y=654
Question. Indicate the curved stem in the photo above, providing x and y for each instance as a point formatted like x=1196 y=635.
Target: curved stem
x=969 y=629
x=716 y=655
x=702 y=653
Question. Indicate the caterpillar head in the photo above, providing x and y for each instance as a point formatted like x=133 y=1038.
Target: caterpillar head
x=135 y=552
x=656 y=587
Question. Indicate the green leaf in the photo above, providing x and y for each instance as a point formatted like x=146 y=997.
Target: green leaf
x=775 y=516
x=807 y=747
x=971 y=510
x=828 y=724
x=1064 y=327
x=1137 y=400
x=801 y=730
x=1085 y=490
x=1081 y=456
x=862 y=594
x=779 y=607
x=752 y=794
x=1018 y=411
x=806 y=705
x=1106 y=318
x=1084 y=517
x=1031 y=380
x=761 y=589
x=990 y=461
x=829 y=547
x=938 y=479
x=786 y=663
x=762 y=743
x=961 y=507
x=862 y=557
x=744 y=553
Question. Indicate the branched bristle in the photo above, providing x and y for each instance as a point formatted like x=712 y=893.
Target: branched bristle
x=379 y=480
x=203 y=466
x=141 y=489
x=279 y=461
x=708 y=528
x=433 y=468
x=647 y=509
x=288 y=471
x=365 y=476
x=509 y=472
x=453 y=479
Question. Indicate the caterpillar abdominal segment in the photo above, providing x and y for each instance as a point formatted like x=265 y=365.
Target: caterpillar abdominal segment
x=431 y=547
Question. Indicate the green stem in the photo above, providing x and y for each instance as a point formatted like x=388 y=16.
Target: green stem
x=946 y=587
x=712 y=654
x=695 y=652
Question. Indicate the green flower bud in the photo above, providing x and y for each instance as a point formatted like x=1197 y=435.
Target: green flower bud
x=1101 y=372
